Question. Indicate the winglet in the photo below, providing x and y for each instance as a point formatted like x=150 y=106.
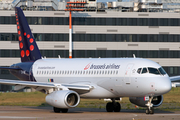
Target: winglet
x=29 y=50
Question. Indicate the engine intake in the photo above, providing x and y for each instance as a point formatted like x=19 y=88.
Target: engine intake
x=157 y=101
x=63 y=99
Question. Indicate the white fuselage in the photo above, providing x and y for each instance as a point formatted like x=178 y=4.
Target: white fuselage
x=110 y=77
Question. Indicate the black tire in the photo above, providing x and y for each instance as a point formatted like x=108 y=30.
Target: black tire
x=64 y=110
x=147 y=111
x=117 y=107
x=109 y=107
x=151 y=110
x=56 y=110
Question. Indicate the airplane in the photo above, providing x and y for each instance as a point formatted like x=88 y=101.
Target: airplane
x=66 y=80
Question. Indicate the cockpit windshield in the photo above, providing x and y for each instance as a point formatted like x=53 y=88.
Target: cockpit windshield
x=153 y=71
x=159 y=71
x=162 y=71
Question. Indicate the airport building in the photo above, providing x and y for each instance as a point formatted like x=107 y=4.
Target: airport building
x=106 y=32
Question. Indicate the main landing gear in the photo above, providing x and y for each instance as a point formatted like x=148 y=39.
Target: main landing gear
x=150 y=109
x=58 y=110
x=113 y=106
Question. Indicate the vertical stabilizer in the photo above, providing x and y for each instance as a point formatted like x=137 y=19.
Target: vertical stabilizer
x=29 y=50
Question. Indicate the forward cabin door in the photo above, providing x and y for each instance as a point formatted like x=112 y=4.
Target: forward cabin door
x=127 y=75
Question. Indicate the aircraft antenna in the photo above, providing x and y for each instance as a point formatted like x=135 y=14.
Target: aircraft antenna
x=134 y=56
x=59 y=56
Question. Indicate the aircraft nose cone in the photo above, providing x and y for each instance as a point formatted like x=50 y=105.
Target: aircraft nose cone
x=166 y=86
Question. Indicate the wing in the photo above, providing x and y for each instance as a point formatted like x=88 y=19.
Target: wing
x=48 y=87
x=175 y=80
x=10 y=68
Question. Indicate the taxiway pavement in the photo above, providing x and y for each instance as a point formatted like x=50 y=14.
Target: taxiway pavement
x=46 y=113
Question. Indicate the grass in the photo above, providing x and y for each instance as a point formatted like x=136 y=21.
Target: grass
x=171 y=100
x=22 y=99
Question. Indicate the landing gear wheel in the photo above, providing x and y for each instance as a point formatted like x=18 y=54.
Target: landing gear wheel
x=151 y=110
x=64 y=110
x=109 y=107
x=147 y=111
x=56 y=110
x=117 y=107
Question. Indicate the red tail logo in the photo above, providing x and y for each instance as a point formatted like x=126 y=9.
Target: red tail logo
x=87 y=66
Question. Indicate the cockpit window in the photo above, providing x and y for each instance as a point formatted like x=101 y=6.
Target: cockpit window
x=139 y=70
x=144 y=70
x=153 y=71
x=162 y=71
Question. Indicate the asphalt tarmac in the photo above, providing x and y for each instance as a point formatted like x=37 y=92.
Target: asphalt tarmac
x=46 y=113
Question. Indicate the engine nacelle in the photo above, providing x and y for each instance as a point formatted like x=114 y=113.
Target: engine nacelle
x=63 y=99
x=157 y=101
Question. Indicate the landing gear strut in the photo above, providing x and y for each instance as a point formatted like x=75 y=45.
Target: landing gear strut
x=58 y=110
x=150 y=109
x=113 y=106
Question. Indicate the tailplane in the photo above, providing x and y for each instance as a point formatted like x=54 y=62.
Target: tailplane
x=29 y=50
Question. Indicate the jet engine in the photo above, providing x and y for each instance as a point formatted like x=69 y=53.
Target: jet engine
x=63 y=99
x=140 y=101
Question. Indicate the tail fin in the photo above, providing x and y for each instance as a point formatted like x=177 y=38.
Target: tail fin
x=29 y=50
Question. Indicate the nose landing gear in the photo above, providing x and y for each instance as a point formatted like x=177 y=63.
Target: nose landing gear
x=150 y=109
x=113 y=106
